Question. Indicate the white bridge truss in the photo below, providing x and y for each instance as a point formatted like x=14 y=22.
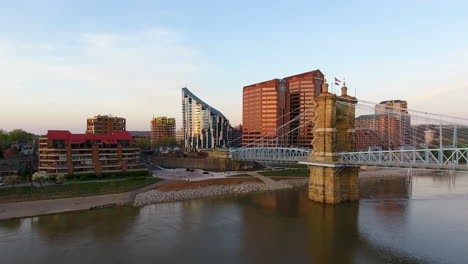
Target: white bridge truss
x=271 y=154
x=446 y=158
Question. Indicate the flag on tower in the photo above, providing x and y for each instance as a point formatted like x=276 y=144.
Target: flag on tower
x=337 y=82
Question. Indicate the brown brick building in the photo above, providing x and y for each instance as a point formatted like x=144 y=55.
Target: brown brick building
x=399 y=109
x=104 y=124
x=267 y=106
x=61 y=152
x=378 y=131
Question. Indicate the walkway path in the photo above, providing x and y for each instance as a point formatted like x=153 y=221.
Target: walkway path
x=274 y=185
x=41 y=207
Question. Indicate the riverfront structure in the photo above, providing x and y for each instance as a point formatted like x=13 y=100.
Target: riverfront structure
x=162 y=128
x=105 y=124
x=280 y=103
x=61 y=152
x=204 y=126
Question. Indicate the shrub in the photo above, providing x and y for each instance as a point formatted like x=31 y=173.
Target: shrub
x=12 y=180
x=59 y=179
x=40 y=177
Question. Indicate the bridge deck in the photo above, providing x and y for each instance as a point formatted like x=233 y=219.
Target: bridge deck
x=445 y=158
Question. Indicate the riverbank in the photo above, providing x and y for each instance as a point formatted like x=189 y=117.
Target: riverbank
x=43 y=207
x=181 y=190
x=172 y=190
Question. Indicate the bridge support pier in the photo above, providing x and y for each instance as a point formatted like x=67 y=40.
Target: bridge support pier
x=333 y=185
x=332 y=182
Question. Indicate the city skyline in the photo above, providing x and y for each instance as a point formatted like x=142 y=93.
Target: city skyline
x=132 y=59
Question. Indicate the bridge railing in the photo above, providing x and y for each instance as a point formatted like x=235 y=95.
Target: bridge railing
x=271 y=154
x=445 y=158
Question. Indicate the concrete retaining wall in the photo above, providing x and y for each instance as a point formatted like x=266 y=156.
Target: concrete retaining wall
x=213 y=164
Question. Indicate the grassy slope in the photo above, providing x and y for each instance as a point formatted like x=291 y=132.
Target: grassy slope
x=239 y=175
x=72 y=190
x=292 y=166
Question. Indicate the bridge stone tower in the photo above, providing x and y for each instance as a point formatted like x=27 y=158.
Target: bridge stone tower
x=332 y=182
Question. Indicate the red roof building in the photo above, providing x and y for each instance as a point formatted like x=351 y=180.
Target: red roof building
x=61 y=152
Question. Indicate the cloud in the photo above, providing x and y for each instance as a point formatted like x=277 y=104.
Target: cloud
x=133 y=75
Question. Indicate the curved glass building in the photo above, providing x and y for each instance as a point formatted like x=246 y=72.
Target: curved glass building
x=204 y=127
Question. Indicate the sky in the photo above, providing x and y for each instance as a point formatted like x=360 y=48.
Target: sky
x=64 y=61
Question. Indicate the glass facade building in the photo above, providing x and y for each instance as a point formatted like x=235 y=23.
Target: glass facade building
x=204 y=127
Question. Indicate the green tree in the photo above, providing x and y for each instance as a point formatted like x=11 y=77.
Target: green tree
x=20 y=136
x=3 y=136
x=463 y=144
x=143 y=143
x=165 y=142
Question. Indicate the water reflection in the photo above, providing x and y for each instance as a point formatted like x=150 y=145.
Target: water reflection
x=383 y=187
x=398 y=221
x=10 y=225
x=105 y=223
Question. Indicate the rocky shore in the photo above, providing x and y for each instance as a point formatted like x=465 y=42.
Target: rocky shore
x=155 y=196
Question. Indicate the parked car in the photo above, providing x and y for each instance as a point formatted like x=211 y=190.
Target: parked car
x=1 y=184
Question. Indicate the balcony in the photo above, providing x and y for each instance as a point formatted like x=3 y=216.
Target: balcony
x=106 y=158
x=81 y=154
x=111 y=165
x=108 y=153
x=83 y=166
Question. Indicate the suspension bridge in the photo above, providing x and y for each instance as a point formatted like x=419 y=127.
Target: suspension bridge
x=382 y=135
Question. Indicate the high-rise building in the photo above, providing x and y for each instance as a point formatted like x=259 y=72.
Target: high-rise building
x=302 y=90
x=398 y=106
x=276 y=104
x=105 y=124
x=377 y=131
x=61 y=152
x=265 y=108
x=180 y=137
x=399 y=109
x=236 y=136
x=162 y=128
x=204 y=126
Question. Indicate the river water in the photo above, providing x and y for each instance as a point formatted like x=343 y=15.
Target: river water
x=424 y=220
